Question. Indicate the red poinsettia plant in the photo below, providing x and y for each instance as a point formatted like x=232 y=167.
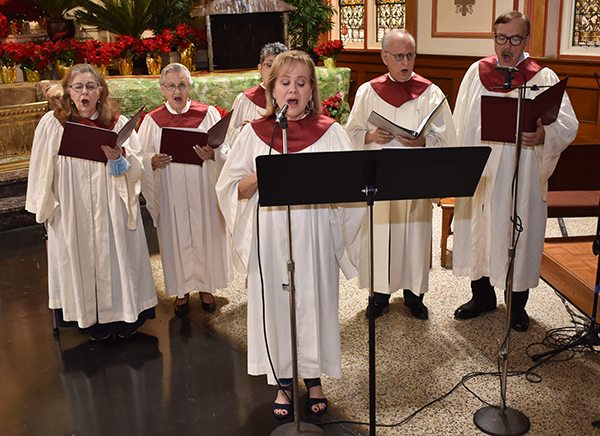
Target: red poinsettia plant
x=157 y=44
x=33 y=56
x=222 y=111
x=95 y=52
x=333 y=107
x=65 y=50
x=128 y=46
x=3 y=27
x=184 y=36
x=20 y=10
x=9 y=54
x=330 y=49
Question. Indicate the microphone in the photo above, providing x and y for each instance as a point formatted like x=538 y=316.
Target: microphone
x=507 y=69
x=281 y=114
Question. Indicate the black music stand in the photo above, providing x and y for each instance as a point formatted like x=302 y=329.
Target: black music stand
x=373 y=175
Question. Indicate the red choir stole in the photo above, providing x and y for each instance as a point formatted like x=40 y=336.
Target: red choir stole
x=191 y=119
x=492 y=78
x=398 y=93
x=257 y=95
x=300 y=134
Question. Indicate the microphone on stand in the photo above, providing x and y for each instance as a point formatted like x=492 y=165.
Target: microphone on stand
x=507 y=74
x=281 y=114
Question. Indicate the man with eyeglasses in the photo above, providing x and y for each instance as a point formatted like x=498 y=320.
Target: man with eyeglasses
x=402 y=229
x=482 y=223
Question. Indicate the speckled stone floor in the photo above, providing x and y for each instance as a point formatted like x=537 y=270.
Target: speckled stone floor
x=419 y=361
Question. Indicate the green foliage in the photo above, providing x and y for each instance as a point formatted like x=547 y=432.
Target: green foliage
x=173 y=13
x=56 y=9
x=308 y=22
x=122 y=17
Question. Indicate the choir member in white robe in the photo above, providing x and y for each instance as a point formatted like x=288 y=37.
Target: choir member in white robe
x=181 y=197
x=482 y=223
x=99 y=273
x=252 y=103
x=402 y=229
x=319 y=236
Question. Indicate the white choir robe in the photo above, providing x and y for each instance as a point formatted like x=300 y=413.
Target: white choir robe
x=401 y=229
x=243 y=109
x=182 y=202
x=319 y=234
x=98 y=263
x=482 y=224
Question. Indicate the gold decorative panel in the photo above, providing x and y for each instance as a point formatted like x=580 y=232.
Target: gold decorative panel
x=17 y=126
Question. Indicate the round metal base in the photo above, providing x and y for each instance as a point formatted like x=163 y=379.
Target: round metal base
x=306 y=429
x=512 y=422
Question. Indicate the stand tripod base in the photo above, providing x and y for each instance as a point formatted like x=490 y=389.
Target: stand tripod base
x=306 y=429
x=490 y=421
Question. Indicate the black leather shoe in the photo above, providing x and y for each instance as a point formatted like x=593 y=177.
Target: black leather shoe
x=208 y=307
x=520 y=320
x=181 y=309
x=379 y=310
x=418 y=310
x=473 y=308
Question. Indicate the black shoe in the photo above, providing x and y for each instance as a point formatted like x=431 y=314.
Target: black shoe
x=100 y=337
x=519 y=320
x=286 y=387
x=312 y=402
x=473 y=308
x=379 y=310
x=181 y=309
x=418 y=310
x=208 y=307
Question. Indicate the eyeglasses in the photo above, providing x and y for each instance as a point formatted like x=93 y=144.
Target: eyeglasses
x=399 y=57
x=90 y=86
x=172 y=87
x=514 y=40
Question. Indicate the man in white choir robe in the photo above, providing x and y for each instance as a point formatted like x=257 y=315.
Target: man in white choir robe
x=181 y=198
x=251 y=104
x=482 y=223
x=402 y=229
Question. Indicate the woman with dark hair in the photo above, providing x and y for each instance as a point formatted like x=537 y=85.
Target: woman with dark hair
x=319 y=233
x=181 y=197
x=99 y=272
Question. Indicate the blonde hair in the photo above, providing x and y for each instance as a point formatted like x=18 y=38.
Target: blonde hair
x=283 y=64
x=67 y=111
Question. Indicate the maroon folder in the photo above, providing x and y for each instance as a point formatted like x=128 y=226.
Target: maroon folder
x=83 y=142
x=179 y=142
x=499 y=114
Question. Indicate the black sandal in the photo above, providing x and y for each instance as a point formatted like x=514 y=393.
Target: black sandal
x=311 y=383
x=286 y=386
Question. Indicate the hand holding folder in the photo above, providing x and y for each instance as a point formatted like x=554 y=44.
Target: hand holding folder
x=83 y=142
x=179 y=142
x=499 y=114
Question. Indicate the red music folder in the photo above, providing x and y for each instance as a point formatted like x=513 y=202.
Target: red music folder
x=179 y=142
x=83 y=142
x=499 y=114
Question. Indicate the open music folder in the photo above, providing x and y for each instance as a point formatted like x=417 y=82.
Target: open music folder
x=179 y=142
x=383 y=123
x=499 y=114
x=83 y=142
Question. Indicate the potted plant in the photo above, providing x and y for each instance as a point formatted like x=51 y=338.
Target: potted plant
x=64 y=54
x=96 y=53
x=152 y=49
x=57 y=22
x=310 y=19
x=172 y=13
x=186 y=40
x=121 y=17
x=329 y=52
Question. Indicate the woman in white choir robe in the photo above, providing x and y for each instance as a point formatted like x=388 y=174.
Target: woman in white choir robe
x=319 y=236
x=99 y=273
x=181 y=197
x=252 y=103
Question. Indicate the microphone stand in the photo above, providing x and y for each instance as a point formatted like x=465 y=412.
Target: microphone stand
x=505 y=421
x=296 y=427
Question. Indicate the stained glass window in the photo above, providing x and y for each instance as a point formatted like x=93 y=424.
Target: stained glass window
x=586 y=28
x=390 y=15
x=352 y=20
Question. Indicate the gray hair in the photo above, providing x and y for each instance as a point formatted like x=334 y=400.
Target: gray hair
x=272 y=48
x=391 y=33
x=175 y=68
